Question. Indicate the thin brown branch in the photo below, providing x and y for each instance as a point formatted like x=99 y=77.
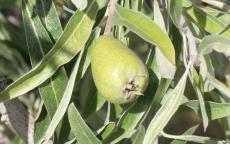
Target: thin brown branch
x=109 y=23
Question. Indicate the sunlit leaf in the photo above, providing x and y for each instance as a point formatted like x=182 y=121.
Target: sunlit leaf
x=80 y=4
x=210 y=23
x=70 y=43
x=48 y=14
x=215 y=110
x=82 y=132
x=167 y=110
x=145 y=28
x=217 y=43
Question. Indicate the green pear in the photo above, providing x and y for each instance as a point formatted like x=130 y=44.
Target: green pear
x=119 y=74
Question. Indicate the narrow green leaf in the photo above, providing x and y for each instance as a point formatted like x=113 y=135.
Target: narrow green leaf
x=80 y=4
x=39 y=43
x=198 y=87
x=107 y=129
x=71 y=141
x=97 y=121
x=168 y=69
x=194 y=138
x=219 y=85
x=107 y=126
x=82 y=132
x=159 y=96
x=210 y=23
x=69 y=44
x=138 y=137
x=62 y=107
x=158 y=17
x=214 y=110
x=167 y=110
x=224 y=18
x=190 y=131
x=145 y=28
x=219 y=43
x=42 y=122
x=206 y=66
x=175 y=11
x=102 y=3
x=114 y=112
x=202 y=107
x=137 y=4
x=48 y=14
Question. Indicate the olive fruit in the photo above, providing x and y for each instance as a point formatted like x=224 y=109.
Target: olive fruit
x=119 y=75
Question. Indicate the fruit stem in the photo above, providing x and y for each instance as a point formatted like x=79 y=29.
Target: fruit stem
x=111 y=8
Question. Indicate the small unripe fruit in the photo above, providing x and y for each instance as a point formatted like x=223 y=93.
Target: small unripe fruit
x=119 y=75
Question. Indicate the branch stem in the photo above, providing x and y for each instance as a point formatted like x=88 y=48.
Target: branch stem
x=109 y=24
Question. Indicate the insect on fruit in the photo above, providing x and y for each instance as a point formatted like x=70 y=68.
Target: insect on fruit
x=119 y=74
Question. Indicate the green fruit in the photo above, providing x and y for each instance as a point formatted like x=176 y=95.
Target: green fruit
x=119 y=75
